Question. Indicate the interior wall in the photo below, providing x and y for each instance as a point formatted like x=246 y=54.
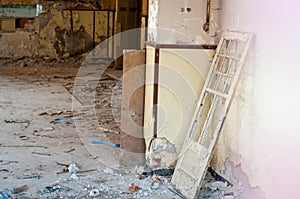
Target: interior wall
x=185 y=17
x=259 y=143
x=52 y=35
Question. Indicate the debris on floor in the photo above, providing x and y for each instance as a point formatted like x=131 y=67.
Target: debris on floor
x=48 y=160
x=20 y=189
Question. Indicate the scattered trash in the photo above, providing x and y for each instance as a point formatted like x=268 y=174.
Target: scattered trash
x=70 y=150
x=5 y=170
x=94 y=193
x=140 y=177
x=218 y=185
x=52 y=112
x=109 y=130
x=40 y=153
x=133 y=188
x=106 y=143
x=3 y=196
x=9 y=162
x=67 y=122
x=48 y=129
x=74 y=177
x=23 y=137
x=63 y=164
x=85 y=171
x=32 y=175
x=155 y=184
x=73 y=168
x=50 y=189
x=63 y=171
x=108 y=171
x=21 y=145
x=17 y=121
x=57 y=121
x=20 y=189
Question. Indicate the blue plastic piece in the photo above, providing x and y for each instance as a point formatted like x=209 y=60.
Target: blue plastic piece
x=67 y=122
x=3 y=196
x=106 y=143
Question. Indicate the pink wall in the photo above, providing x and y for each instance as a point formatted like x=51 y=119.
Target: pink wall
x=264 y=136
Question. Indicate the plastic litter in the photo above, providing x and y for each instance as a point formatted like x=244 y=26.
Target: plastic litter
x=3 y=196
x=106 y=143
x=94 y=193
x=50 y=189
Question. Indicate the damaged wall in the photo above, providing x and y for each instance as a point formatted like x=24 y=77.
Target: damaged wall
x=260 y=137
x=58 y=34
x=188 y=18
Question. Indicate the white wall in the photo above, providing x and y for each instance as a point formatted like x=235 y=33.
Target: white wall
x=183 y=19
x=261 y=137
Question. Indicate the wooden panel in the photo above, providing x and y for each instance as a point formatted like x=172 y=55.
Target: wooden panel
x=144 y=7
x=132 y=115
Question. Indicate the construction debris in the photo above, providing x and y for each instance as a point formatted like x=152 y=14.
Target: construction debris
x=40 y=153
x=73 y=168
x=48 y=128
x=108 y=171
x=26 y=146
x=70 y=150
x=94 y=179
x=20 y=189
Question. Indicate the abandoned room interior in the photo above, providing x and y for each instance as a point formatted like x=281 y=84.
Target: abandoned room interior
x=149 y=99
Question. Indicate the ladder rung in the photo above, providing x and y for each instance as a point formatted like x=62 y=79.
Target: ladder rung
x=227 y=56
x=216 y=93
x=223 y=74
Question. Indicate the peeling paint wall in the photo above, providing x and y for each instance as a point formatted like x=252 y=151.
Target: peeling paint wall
x=186 y=17
x=51 y=34
x=260 y=140
x=19 y=1
x=19 y=44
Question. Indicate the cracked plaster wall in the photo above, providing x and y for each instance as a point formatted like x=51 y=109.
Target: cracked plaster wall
x=185 y=17
x=51 y=35
x=260 y=136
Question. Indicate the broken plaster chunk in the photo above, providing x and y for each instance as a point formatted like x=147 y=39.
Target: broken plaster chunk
x=73 y=168
x=74 y=177
x=108 y=171
x=48 y=128
x=218 y=185
x=162 y=154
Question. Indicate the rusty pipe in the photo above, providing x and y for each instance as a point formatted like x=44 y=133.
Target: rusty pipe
x=206 y=25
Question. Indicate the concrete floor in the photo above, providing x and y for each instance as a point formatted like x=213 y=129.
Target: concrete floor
x=50 y=112
x=36 y=152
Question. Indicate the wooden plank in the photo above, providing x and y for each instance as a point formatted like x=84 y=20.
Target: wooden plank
x=132 y=115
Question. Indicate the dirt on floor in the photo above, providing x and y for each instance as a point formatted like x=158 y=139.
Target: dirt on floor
x=59 y=128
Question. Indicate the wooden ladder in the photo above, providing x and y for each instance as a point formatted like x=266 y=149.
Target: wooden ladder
x=211 y=111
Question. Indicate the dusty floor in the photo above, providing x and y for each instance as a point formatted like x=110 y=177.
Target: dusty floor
x=51 y=111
